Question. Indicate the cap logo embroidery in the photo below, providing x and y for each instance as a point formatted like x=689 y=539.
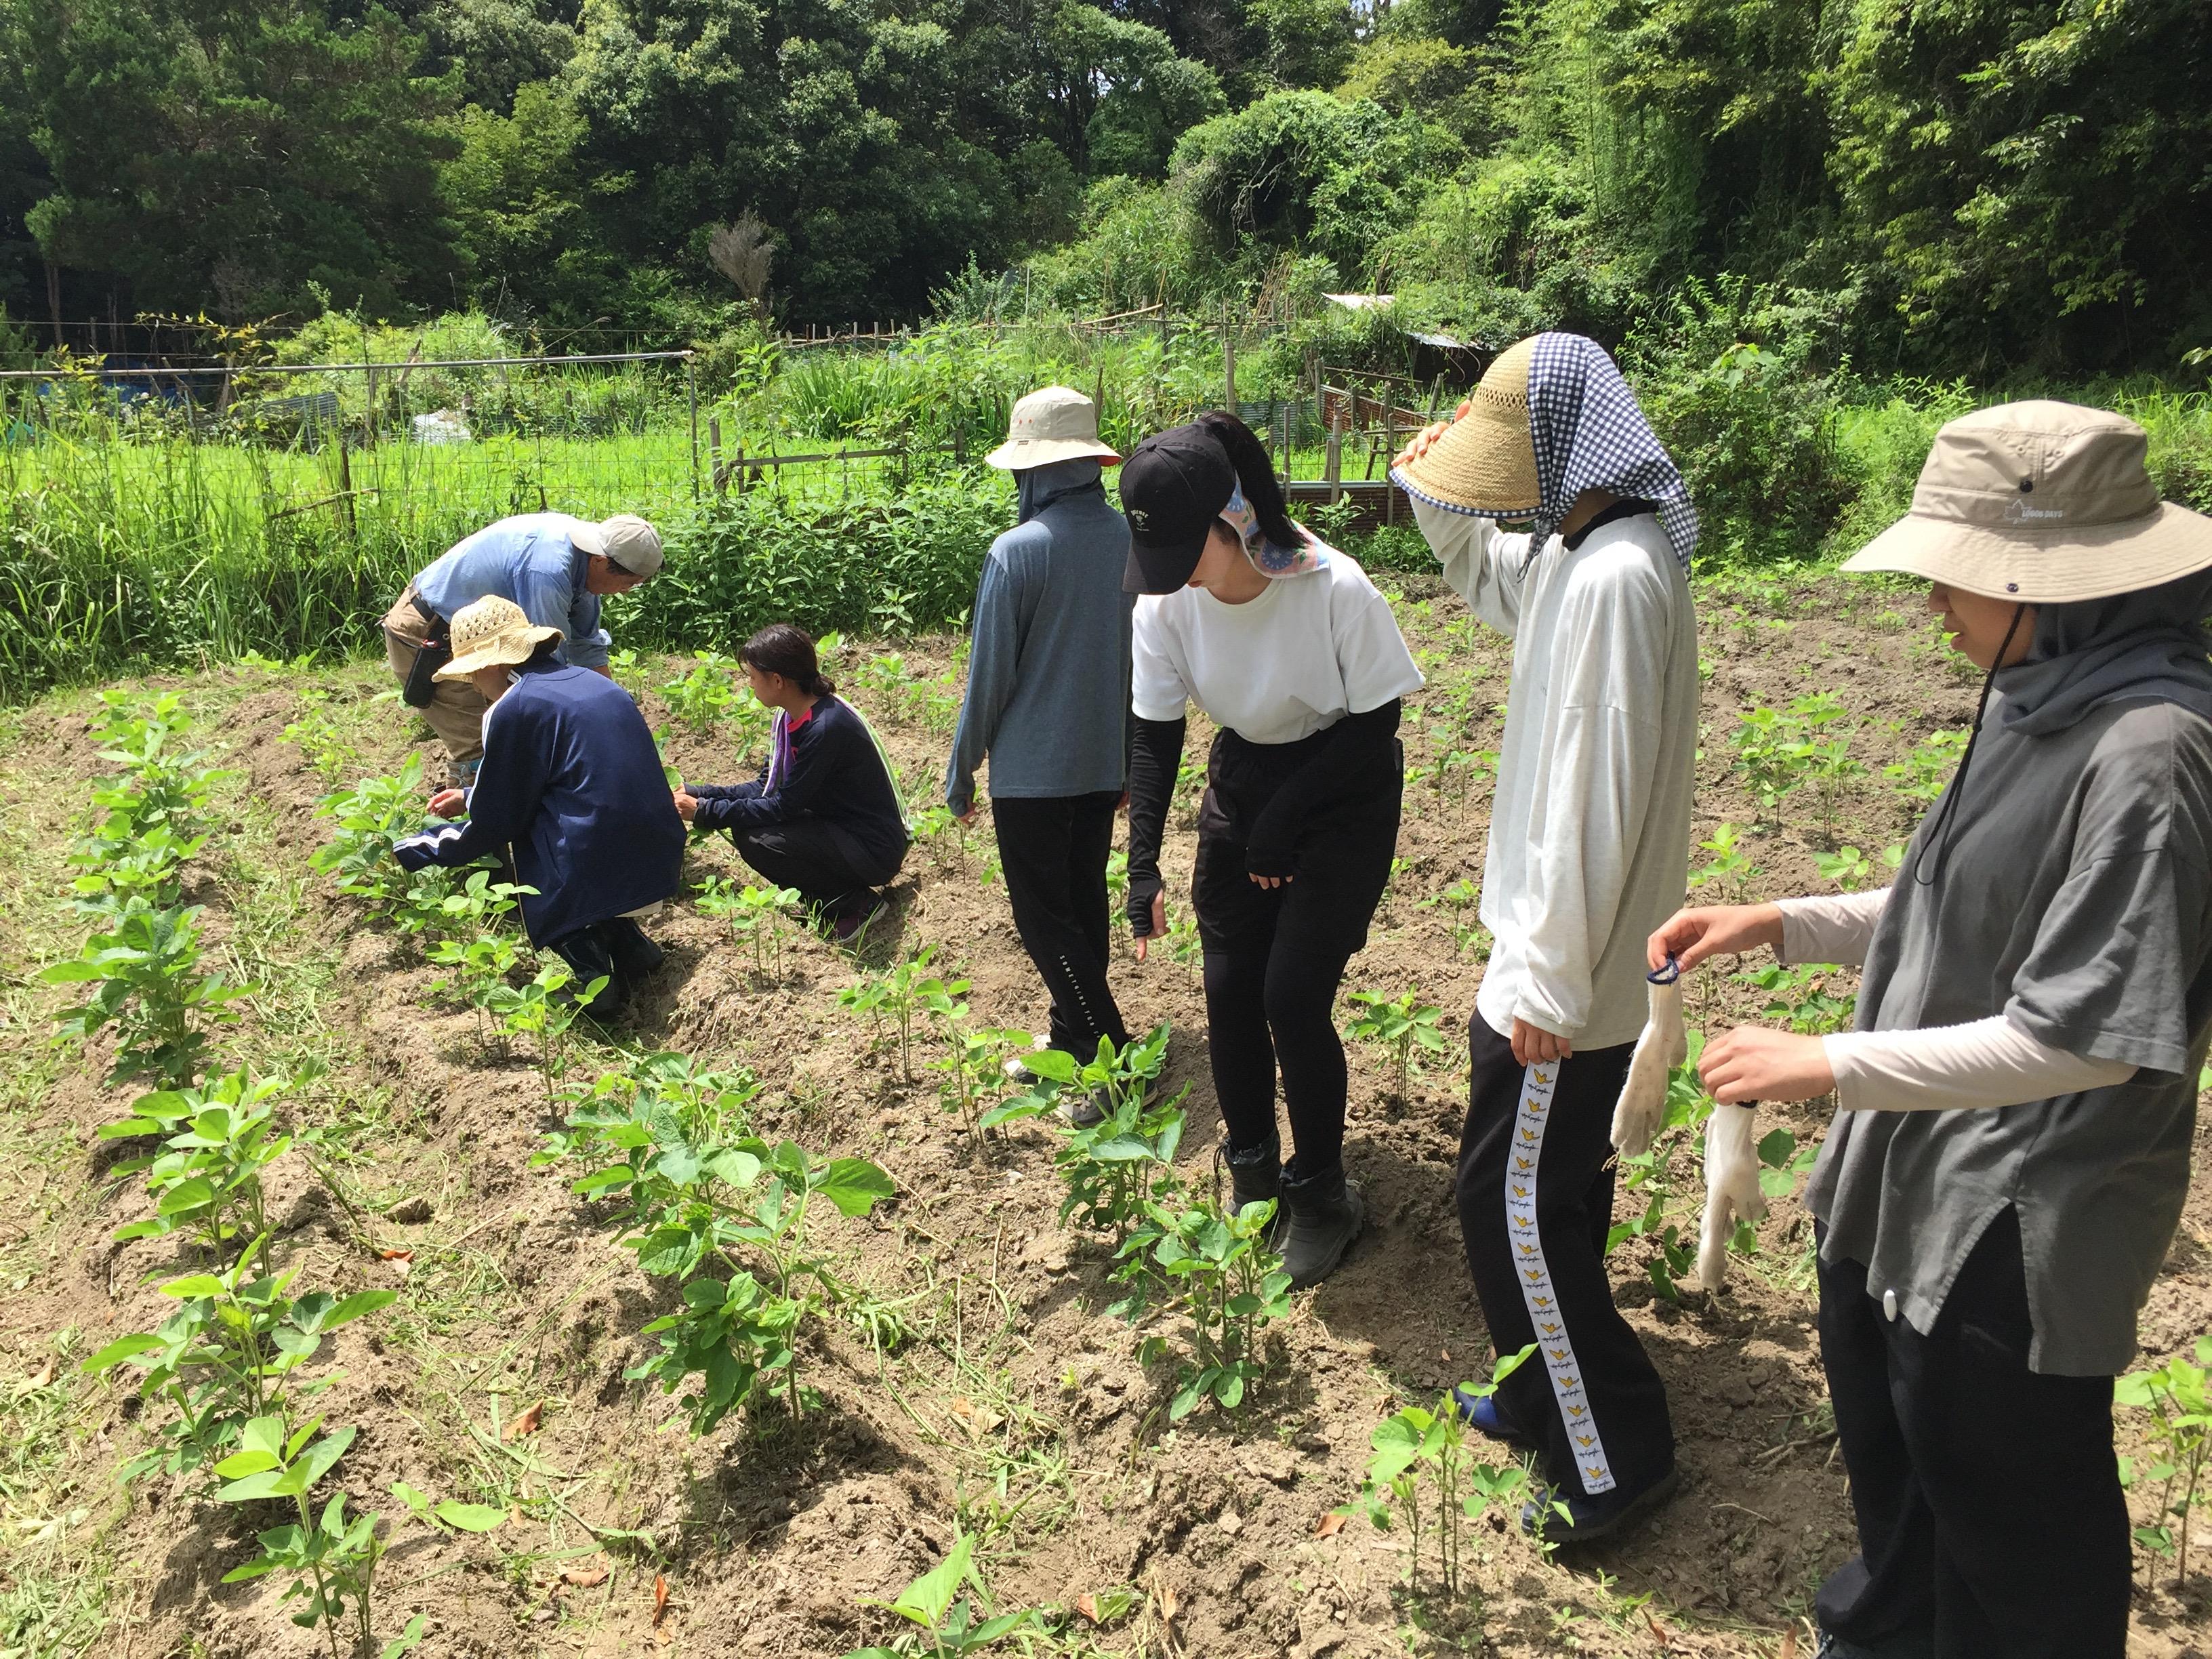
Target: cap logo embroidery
x=2019 y=512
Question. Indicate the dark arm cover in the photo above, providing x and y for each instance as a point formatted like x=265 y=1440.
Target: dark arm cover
x=1155 y=757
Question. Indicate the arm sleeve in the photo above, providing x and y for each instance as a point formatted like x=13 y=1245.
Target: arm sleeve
x=1481 y=563
x=1838 y=929
x=510 y=785
x=993 y=652
x=546 y=590
x=1988 y=1062
x=585 y=644
x=1155 y=757
x=1347 y=763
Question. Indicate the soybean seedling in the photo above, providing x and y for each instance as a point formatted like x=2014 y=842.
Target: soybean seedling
x=2176 y=1396
x=943 y=1619
x=1414 y=1448
x=1399 y=1025
x=895 y=995
x=705 y=697
x=1228 y=1283
x=757 y=915
x=1730 y=870
x=143 y=977
x=207 y=1178
x=544 y=1009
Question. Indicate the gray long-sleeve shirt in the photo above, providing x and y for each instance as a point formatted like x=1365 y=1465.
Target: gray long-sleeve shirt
x=1049 y=666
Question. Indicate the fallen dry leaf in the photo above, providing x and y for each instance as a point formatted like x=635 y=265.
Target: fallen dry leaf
x=659 y=1599
x=1331 y=1525
x=1087 y=1605
x=1169 y=1602
x=1444 y=1354
x=43 y=1376
x=1789 y=1649
x=527 y=1422
x=1665 y=1637
x=588 y=1578
x=397 y=1255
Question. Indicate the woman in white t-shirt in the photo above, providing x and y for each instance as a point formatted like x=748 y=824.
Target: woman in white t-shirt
x=1292 y=652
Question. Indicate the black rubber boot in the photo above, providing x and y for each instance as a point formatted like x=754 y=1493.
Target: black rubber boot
x=1255 y=1176
x=635 y=955
x=1325 y=1217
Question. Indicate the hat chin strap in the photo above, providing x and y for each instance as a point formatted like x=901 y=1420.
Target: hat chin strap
x=1940 y=832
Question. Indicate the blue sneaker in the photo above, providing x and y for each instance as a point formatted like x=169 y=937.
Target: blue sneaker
x=1589 y=1519
x=1482 y=1412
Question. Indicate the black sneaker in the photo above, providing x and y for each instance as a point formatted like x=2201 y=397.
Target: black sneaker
x=1589 y=1519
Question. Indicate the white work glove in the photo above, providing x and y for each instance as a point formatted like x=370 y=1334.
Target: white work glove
x=1664 y=1045
x=1732 y=1190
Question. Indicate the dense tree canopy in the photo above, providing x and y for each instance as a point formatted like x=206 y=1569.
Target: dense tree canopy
x=1940 y=185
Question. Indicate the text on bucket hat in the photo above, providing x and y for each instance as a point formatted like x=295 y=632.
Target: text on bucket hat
x=492 y=632
x=1052 y=424
x=1174 y=486
x=2042 y=503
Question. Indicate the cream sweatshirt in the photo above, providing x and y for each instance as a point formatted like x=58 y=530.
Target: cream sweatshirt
x=1590 y=829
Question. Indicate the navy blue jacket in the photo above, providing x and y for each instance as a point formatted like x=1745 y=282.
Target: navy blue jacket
x=826 y=766
x=570 y=778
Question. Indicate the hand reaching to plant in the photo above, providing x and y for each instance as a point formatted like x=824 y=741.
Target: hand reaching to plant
x=1147 y=910
x=1753 y=1063
x=447 y=802
x=1732 y=1189
x=1663 y=1045
x=686 y=804
x=1691 y=935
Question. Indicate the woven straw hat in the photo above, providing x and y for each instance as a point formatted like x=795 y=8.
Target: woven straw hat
x=1054 y=424
x=1485 y=462
x=492 y=632
x=2042 y=503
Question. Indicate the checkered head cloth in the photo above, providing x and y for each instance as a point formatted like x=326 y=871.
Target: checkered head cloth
x=1591 y=434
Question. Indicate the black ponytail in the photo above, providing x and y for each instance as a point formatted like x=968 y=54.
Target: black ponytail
x=782 y=649
x=1255 y=475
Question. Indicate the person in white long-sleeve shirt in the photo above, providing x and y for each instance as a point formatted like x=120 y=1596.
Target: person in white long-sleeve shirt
x=1589 y=848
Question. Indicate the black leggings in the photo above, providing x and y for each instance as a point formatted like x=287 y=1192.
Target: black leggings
x=1270 y=1007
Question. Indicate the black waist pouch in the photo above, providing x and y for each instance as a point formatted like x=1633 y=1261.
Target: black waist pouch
x=434 y=654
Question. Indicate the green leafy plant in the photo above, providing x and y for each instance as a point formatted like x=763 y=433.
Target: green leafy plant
x=1424 y=1460
x=225 y=1356
x=366 y=822
x=1461 y=903
x=143 y=977
x=2180 y=1428
x=1920 y=777
x=207 y=1178
x=894 y=996
x=705 y=696
x=1801 y=994
x=1652 y=1175
x=947 y=1624
x=1730 y=870
x=1398 y=1025
x=477 y=972
x=320 y=738
x=1228 y=1282
x=974 y=1066
x=543 y=1008
x=757 y=917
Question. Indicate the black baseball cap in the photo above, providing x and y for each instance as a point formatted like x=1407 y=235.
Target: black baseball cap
x=1173 y=485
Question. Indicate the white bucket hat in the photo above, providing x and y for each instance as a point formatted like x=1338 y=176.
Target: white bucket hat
x=1055 y=424
x=625 y=541
x=2042 y=503
x=492 y=632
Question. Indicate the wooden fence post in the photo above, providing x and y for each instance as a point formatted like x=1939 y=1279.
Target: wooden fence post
x=714 y=455
x=1229 y=365
x=1334 y=463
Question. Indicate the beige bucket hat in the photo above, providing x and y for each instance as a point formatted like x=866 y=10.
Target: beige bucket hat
x=625 y=541
x=1054 y=424
x=1485 y=462
x=2042 y=503
x=492 y=632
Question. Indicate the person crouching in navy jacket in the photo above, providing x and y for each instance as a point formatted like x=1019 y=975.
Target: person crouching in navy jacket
x=572 y=780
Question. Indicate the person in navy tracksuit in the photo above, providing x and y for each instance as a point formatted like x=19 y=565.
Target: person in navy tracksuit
x=572 y=780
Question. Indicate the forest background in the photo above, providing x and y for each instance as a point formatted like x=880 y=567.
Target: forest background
x=1996 y=189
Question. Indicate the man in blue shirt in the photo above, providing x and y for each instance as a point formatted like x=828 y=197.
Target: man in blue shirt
x=555 y=567
x=572 y=781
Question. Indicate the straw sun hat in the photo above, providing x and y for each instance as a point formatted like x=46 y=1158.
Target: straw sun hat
x=492 y=632
x=1484 y=461
x=1054 y=424
x=2042 y=503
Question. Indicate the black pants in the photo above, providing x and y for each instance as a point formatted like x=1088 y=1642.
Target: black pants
x=1274 y=958
x=616 y=949
x=1053 y=853
x=1535 y=1188
x=835 y=875
x=1988 y=1496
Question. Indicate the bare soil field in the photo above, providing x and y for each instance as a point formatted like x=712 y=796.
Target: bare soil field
x=1002 y=1402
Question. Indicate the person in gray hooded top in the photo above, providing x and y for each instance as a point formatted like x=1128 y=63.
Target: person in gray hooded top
x=2017 y=1102
x=1048 y=703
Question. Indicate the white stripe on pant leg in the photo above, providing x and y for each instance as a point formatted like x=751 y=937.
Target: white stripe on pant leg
x=1526 y=1238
